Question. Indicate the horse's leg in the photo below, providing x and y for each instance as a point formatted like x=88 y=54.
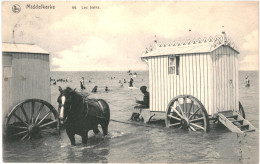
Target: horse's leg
x=104 y=127
x=95 y=129
x=71 y=137
x=85 y=138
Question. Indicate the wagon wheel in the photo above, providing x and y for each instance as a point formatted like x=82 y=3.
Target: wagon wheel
x=187 y=112
x=241 y=110
x=32 y=118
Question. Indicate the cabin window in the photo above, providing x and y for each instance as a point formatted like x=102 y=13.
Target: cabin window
x=173 y=67
x=7 y=65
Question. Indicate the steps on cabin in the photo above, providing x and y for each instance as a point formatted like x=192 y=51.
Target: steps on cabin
x=235 y=122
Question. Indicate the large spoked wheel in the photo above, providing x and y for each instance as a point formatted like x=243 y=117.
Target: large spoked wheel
x=32 y=118
x=241 y=110
x=187 y=112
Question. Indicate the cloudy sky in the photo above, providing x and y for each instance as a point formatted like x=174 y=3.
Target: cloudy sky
x=114 y=36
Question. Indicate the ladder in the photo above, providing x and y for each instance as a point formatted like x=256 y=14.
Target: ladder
x=235 y=122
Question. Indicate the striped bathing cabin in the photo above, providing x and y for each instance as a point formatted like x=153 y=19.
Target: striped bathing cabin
x=26 y=75
x=204 y=68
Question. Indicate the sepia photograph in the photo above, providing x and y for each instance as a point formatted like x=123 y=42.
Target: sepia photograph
x=130 y=81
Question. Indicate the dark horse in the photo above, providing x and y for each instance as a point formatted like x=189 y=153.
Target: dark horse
x=80 y=114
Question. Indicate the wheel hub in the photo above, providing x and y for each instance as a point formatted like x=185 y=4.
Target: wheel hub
x=185 y=122
x=33 y=129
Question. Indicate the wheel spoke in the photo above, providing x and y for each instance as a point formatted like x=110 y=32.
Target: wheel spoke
x=44 y=117
x=174 y=124
x=176 y=118
x=20 y=119
x=39 y=112
x=51 y=122
x=177 y=112
x=194 y=113
x=18 y=127
x=46 y=131
x=24 y=113
x=180 y=108
x=188 y=113
x=29 y=138
x=190 y=108
x=20 y=133
x=33 y=103
x=197 y=126
x=184 y=106
x=192 y=128
x=197 y=119
x=24 y=136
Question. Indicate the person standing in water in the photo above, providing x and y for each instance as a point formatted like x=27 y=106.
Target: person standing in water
x=247 y=81
x=131 y=82
x=82 y=83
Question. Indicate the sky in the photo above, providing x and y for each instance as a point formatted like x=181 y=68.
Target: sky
x=113 y=37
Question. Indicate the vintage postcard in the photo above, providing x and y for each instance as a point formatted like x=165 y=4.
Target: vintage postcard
x=130 y=81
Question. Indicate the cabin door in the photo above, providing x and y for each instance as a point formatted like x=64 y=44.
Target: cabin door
x=224 y=82
x=230 y=81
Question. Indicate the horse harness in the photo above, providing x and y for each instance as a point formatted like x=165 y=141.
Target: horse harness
x=86 y=103
x=96 y=102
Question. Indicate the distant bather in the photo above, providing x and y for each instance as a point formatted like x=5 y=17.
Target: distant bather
x=94 y=89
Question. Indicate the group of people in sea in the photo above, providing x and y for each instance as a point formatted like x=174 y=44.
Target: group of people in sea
x=130 y=73
x=94 y=90
x=131 y=82
x=121 y=82
x=54 y=81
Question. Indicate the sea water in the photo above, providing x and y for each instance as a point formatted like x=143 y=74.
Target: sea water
x=137 y=144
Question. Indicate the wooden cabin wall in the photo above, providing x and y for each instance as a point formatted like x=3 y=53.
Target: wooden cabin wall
x=6 y=84
x=225 y=79
x=30 y=79
x=194 y=79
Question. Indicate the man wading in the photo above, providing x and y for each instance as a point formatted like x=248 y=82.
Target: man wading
x=143 y=104
x=82 y=83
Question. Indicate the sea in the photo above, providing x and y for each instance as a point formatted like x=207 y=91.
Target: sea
x=128 y=143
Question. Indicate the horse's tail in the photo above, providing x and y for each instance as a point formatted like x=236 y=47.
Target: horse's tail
x=106 y=109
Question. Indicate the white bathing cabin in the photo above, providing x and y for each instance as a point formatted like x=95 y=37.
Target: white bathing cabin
x=204 y=68
x=26 y=75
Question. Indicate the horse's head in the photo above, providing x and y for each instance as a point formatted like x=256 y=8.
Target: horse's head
x=65 y=103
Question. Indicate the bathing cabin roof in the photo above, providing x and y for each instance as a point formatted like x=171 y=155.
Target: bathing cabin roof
x=195 y=46
x=22 y=48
